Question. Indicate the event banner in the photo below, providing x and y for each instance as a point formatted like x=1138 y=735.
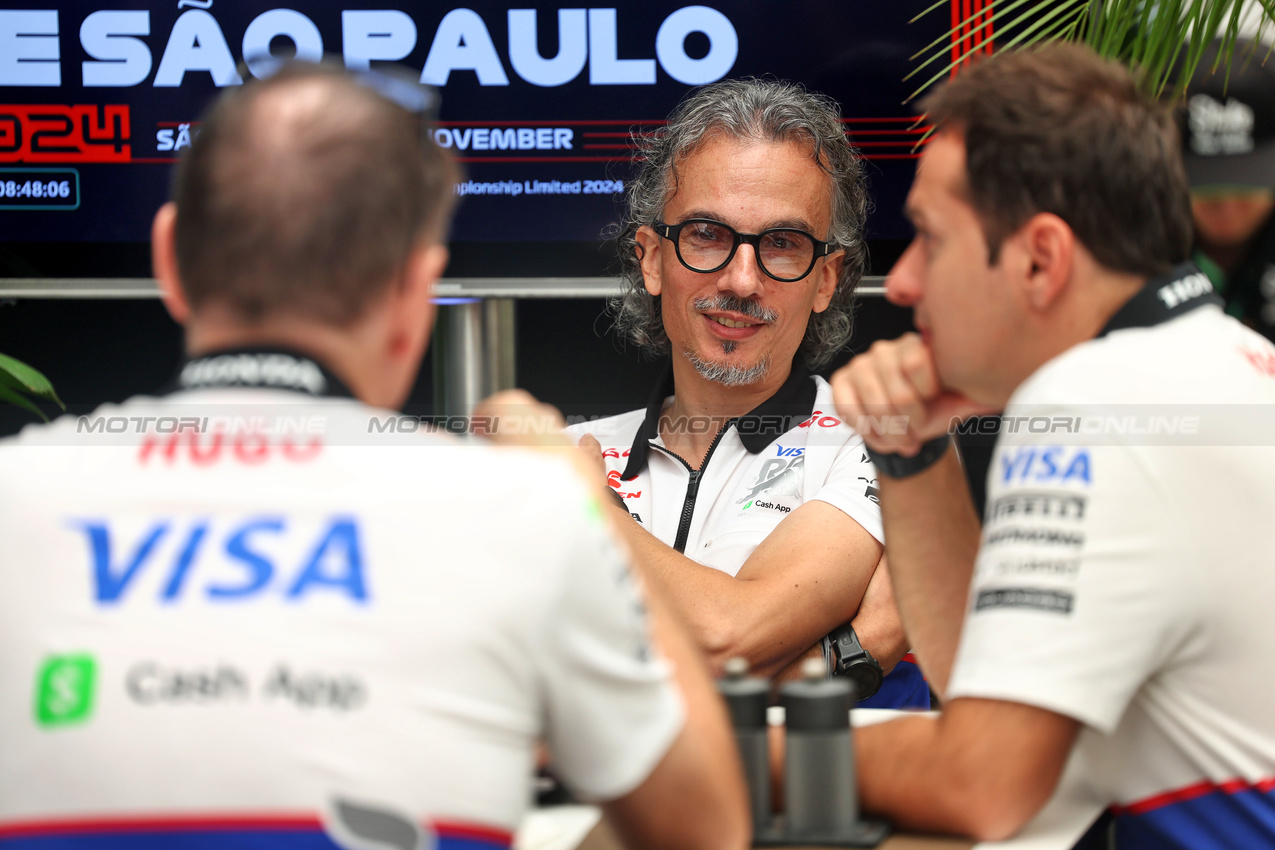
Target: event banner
x=538 y=102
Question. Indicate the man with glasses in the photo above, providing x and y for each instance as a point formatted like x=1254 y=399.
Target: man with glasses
x=246 y=622
x=752 y=505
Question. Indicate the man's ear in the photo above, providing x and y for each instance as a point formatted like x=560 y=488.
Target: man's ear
x=413 y=316
x=649 y=256
x=1049 y=245
x=164 y=263
x=829 y=273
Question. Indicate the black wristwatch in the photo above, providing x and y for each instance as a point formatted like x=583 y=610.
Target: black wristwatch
x=848 y=658
x=893 y=465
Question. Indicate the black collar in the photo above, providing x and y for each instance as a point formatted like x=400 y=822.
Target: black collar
x=267 y=368
x=791 y=404
x=1164 y=297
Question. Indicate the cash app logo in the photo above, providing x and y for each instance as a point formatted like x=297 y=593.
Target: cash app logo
x=64 y=690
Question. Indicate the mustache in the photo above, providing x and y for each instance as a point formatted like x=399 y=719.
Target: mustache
x=735 y=304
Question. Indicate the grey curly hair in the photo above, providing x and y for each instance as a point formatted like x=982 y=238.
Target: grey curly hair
x=761 y=110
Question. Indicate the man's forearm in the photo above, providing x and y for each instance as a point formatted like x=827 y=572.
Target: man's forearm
x=783 y=600
x=932 y=536
x=705 y=598
x=878 y=624
x=983 y=768
x=695 y=797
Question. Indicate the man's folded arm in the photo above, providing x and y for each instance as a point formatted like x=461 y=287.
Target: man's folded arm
x=806 y=578
x=983 y=768
x=695 y=797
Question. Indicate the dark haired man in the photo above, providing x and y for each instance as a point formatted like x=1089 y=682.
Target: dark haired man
x=226 y=629
x=1100 y=615
x=754 y=506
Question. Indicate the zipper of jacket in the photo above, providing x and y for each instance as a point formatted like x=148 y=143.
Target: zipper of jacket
x=692 y=488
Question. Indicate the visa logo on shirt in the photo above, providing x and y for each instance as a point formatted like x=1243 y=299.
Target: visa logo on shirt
x=225 y=564
x=1045 y=464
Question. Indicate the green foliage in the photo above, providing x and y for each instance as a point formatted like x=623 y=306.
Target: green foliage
x=1153 y=37
x=18 y=381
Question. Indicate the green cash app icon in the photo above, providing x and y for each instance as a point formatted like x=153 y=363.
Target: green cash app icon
x=64 y=690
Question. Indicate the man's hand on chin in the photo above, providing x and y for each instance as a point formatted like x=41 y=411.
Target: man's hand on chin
x=893 y=379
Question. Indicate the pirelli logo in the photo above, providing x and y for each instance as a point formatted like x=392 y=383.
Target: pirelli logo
x=1055 y=601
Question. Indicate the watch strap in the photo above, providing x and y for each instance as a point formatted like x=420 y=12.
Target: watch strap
x=849 y=659
x=893 y=465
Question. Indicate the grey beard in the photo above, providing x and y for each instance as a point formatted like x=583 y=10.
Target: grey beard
x=724 y=373
x=729 y=375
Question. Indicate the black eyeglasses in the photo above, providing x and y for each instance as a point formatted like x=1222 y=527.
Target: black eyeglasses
x=784 y=254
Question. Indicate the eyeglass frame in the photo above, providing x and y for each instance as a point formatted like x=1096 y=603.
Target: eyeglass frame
x=673 y=233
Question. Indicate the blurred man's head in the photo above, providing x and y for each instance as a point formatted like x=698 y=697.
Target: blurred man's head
x=754 y=155
x=1049 y=167
x=308 y=204
x=1228 y=127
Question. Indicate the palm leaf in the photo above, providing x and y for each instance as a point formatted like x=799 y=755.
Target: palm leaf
x=1161 y=40
x=12 y=396
x=18 y=380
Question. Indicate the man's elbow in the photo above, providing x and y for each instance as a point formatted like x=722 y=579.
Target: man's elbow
x=729 y=828
x=991 y=809
x=722 y=640
x=713 y=821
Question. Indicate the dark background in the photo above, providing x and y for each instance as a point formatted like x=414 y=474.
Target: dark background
x=98 y=351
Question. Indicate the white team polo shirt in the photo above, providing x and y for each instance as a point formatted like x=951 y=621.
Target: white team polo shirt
x=791 y=449
x=1124 y=576
x=239 y=634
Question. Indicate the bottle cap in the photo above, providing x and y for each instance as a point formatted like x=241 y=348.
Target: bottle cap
x=817 y=704
x=746 y=697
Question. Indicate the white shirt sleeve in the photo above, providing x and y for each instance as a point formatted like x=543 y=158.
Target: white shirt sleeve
x=1076 y=600
x=612 y=708
x=851 y=486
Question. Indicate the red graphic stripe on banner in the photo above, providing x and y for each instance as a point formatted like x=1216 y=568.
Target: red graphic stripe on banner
x=545 y=159
x=919 y=131
x=971 y=30
x=987 y=28
x=626 y=122
x=558 y=123
x=967 y=28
